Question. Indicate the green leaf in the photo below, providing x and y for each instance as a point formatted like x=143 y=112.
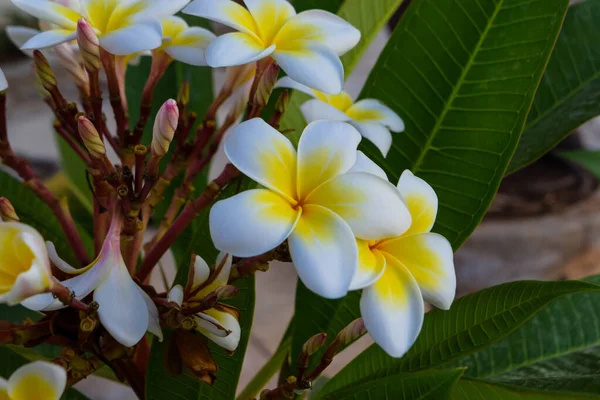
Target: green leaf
x=462 y=76
x=468 y=389
x=425 y=385
x=558 y=349
x=36 y=213
x=473 y=323
x=569 y=93
x=588 y=159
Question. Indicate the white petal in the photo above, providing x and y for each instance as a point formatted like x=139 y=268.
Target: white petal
x=160 y=9
x=371 y=206
x=392 y=309
x=229 y=342
x=251 y=223
x=189 y=46
x=32 y=379
x=49 y=11
x=35 y=280
x=373 y=110
x=201 y=272
x=153 y=317
x=60 y=263
x=371 y=264
x=122 y=309
x=219 y=161
x=225 y=261
x=313 y=65
x=315 y=110
x=365 y=164
x=326 y=149
x=376 y=133
x=19 y=35
x=264 y=155
x=235 y=48
x=3 y=82
x=144 y=35
x=320 y=27
x=4 y=389
x=207 y=324
x=176 y=295
x=324 y=252
x=49 y=39
x=421 y=200
x=430 y=260
x=287 y=82
x=270 y=16
x=225 y=12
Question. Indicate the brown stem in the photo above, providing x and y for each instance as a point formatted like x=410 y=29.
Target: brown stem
x=140 y=152
x=191 y=210
x=72 y=143
x=67 y=297
x=115 y=90
x=101 y=214
x=251 y=265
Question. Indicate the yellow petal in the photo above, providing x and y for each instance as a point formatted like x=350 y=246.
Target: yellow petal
x=421 y=201
x=38 y=380
x=270 y=16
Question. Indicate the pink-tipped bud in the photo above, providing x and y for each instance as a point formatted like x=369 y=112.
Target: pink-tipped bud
x=266 y=85
x=91 y=138
x=68 y=59
x=89 y=45
x=43 y=71
x=350 y=333
x=313 y=344
x=7 y=211
x=165 y=126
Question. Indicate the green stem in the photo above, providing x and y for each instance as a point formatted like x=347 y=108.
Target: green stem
x=262 y=378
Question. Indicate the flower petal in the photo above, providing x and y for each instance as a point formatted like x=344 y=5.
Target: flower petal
x=376 y=133
x=313 y=65
x=224 y=262
x=322 y=27
x=365 y=164
x=3 y=82
x=189 y=46
x=19 y=35
x=326 y=149
x=270 y=16
x=235 y=48
x=37 y=380
x=48 y=39
x=46 y=10
x=4 y=389
x=201 y=272
x=144 y=35
x=159 y=9
x=229 y=322
x=176 y=295
x=264 y=155
x=208 y=324
x=371 y=110
x=123 y=310
x=371 y=206
x=287 y=82
x=251 y=223
x=324 y=252
x=429 y=258
x=421 y=200
x=392 y=309
x=225 y=12
x=62 y=264
x=371 y=265
x=153 y=317
x=315 y=110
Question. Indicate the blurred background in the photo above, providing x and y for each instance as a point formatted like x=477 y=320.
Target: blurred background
x=543 y=224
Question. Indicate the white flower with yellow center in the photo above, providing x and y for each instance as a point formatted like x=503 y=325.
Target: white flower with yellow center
x=398 y=273
x=184 y=43
x=373 y=119
x=306 y=46
x=39 y=380
x=123 y=27
x=125 y=310
x=219 y=324
x=309 y=199
x=24 y=264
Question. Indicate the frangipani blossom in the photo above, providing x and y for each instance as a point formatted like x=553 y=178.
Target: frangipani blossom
x=125 y=310
x=24 y=264
x=398 y=273
x=123 y=27
x=309 y=200
x=370 y=117
x=219 y=324
x=3 y=81
x=38 y=380
x=306 y=46
x=184 y=43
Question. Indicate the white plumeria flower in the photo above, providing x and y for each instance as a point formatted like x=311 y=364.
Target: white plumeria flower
x=184 y=43
x=3 y=81
x=398 y=273
x=24 y=264
x=306 y=46
x=125 y=310
x=309 y=199
x=370 y=117
x=38 y=380
x=123 y=27
x=216 y=324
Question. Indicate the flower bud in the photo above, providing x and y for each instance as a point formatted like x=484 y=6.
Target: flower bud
x=7 y=211
x=44 y=72
x=184 y=94
x=165 y=125
x=69 y=60
x=282 y=102
x=89 y=45
x=24 y=264
x=266 y=85
x=91 y=138
x=3 y=82
x=313 y=344
x=350 y=333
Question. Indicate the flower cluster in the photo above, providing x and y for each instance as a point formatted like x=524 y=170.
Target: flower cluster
x=322 y=204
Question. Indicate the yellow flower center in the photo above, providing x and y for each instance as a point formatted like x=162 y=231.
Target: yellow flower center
x=15 y=258
x=33 y=387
